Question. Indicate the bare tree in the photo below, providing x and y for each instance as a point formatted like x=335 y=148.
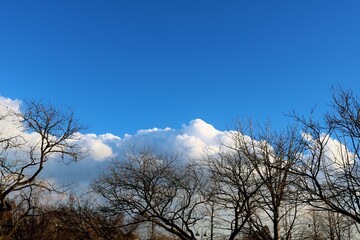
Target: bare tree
x=330 y=168
x=84 y=218
x=43 y=131
x=32 y=215
x=272 y=156
x=154 y=188
x=234 y=186
x=319 y=224
x=78 y=218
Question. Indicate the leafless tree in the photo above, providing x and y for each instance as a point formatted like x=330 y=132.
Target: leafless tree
x=234 y=186
x=272 y=156
x=42 y=131
x=319 y=224
x=32 y=215
x=84 y=218
x=77 y=218
x=330 y=167
x=154 y=188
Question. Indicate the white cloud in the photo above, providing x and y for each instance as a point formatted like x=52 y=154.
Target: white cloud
x=191 y=146
x=8 y=122
x=335 y=153
x=96 y=146
x=202 y=130
x=189 y=141
x=7 y=103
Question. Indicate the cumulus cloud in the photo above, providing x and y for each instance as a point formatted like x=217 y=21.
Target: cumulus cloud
x=9 y=124
x=8 y=103
x=97 y=146
x=188 y=141
x=335 y=153
x=204 y=131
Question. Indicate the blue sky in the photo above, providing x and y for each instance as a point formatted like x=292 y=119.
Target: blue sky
x=129 y=65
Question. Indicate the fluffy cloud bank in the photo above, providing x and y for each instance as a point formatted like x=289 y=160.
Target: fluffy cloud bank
x=188 y=141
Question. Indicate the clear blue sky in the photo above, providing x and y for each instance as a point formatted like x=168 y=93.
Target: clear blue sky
x=129 y=65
